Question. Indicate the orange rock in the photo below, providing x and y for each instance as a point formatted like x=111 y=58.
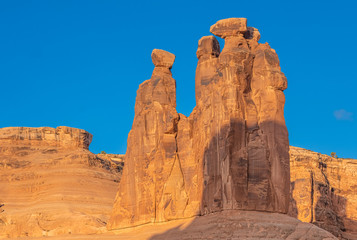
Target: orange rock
x=45 y=136
x=161 y=58
x=229 y=27
x=324 y=191
x=151 y=156
x=232 y=152
x=50 y=184
x=232 y=224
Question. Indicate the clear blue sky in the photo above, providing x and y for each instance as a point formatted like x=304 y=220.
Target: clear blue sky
x=79 y=63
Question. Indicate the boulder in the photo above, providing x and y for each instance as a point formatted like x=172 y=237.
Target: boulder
x=162 y=58
x=229 y=27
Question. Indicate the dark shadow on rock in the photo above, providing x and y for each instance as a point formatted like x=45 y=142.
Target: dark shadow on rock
x=239 y=224
x=293 y=211
x=224 y=221
x=330 y=213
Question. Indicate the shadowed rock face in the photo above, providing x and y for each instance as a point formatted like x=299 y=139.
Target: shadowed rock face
x=50 y=184
x=232 y=152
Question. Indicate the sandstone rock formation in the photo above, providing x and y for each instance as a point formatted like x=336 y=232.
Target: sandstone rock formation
x=50 y=184
x=230 y=155
x=232 y=152
x=324 y=191
x=151 y=155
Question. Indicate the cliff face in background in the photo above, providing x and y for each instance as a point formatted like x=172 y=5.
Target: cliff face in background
x=65 y=137
x=324 y=191
x=50 y=184
x=232 y=152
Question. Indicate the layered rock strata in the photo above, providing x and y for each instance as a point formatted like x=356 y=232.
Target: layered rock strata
x=64 y=137
x=232 y=152
x=50 y=184
x=324 y=191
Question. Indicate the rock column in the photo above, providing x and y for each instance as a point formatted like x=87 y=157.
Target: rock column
x=151 y=152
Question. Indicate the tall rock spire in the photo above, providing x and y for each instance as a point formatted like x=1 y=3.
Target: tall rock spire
x=151 y=151
x=230 y=153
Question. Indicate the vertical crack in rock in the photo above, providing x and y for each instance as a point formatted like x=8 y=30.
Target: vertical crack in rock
x=232 y=152
x=312 y=196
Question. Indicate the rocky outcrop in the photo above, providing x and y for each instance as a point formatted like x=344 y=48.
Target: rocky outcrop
x=324 y=191
x=232 y=152
x=65 y=137
x=50 y=184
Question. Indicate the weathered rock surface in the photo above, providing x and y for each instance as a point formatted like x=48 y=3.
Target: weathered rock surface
x=65 y=137
x=50 y=184
x=231 y=224
x=232 y=152
x=324 y=191
x=151 y=155
x=114 y=160
x=230 y=27
x=161 y=58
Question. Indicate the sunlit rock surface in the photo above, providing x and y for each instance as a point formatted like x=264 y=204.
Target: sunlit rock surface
x=232 y=152
x=324 y=191
x=50 y=184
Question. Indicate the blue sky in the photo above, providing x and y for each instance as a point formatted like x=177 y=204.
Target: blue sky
x=79 y=63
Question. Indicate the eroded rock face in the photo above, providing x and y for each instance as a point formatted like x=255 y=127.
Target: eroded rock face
x=324 y=191
x=151 y=156
x=232 y=152
x=50 y=184
x=66 y=137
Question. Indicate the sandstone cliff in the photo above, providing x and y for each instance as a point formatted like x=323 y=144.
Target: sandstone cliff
x=324 y=191
x=232 y=152
x=50 y=184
